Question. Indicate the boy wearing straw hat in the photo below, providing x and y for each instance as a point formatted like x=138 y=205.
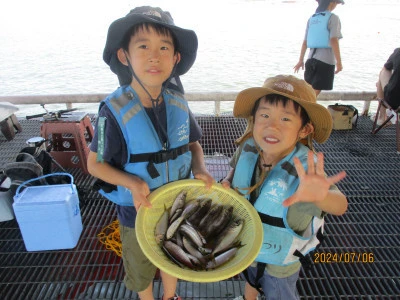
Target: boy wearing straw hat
x=145 y=135
x=275 y=168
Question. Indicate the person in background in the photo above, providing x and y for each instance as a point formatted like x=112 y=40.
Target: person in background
x=322 y=37
x=146 y=135
x=275 y=168
x=388 y=85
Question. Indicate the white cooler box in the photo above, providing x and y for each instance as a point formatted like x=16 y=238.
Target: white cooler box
x=6 y=200
x=48 y=215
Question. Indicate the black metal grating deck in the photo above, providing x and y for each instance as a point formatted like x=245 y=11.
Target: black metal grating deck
x=370 y=227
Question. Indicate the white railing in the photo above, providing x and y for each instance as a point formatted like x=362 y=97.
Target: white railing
x=216 y=97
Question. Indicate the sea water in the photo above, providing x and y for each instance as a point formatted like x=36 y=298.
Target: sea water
x=53 y=47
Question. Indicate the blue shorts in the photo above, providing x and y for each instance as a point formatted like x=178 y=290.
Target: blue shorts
x=276 y=288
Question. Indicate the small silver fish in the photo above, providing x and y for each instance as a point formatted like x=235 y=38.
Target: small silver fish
x=222 y=258
x=190 y=208
x=174 y=227
x=228 y=236
x=209 y=217
x=179 y=202
x=192 y=249
x=219 y=223
x=176 y=215
x=179 y=254
x=171 y=257
x=205 y=205
x=179 y=240
x=161 y=226
x=192 y=234
x=187 y=211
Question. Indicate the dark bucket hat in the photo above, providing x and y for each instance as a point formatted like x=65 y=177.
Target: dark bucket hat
x=187 y=40
x=323 y=4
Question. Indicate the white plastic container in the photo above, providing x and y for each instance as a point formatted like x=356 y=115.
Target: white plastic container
x=6 y=199
x=48 y=215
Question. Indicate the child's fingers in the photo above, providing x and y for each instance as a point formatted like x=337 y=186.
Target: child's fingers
x=146 y=203
x=208 y=180
x=141 y=201
x=320 y=164
x=225 y=184
x=310 y=163
x=299 y=167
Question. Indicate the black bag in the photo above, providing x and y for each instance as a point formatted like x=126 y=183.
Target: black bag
x=392 y=92
x=32 y=162
x=310 y=66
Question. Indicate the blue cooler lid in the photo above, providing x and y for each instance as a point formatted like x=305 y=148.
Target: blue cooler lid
x=44 y=195
x=46 y=201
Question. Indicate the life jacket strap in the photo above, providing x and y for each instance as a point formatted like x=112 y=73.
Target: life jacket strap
x=270 y=220
x=320 y=236
x=158 y=157
x=304 y=260
x=98 y=184
x=260 y=272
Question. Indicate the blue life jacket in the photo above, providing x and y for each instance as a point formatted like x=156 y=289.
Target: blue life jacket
x=318 y=32
x=281 y=245
x=148 y=158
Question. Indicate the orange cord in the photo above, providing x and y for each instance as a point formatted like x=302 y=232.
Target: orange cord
x=109 y=236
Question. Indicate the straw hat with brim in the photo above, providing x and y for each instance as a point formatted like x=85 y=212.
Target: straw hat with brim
x=187 y=39
x=295 y=89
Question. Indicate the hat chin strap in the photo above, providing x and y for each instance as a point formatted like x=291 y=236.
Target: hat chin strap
x=308 y=141
x=154 y=102
x=141 y=84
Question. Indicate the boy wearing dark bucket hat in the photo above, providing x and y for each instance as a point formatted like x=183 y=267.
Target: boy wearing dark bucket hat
x=322 y=37
x=145 y=135
x=276 y=170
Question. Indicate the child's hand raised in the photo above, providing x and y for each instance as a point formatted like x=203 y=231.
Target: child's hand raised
x=314 y=185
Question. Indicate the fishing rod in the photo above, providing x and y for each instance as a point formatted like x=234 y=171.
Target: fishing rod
x=51 y=115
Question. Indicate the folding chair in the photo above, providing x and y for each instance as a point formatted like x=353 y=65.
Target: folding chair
x=394 y=112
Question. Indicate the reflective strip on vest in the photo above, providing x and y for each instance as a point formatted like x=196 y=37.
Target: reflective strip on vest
x=101 y=137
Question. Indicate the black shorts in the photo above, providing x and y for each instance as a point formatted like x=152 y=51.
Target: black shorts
x=392 y=92
x=319 y=74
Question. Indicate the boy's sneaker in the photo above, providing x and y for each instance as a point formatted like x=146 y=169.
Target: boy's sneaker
x=242 y=298
x=176 y=297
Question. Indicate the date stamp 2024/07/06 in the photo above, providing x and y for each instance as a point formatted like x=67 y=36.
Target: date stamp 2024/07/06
x=343 y=257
